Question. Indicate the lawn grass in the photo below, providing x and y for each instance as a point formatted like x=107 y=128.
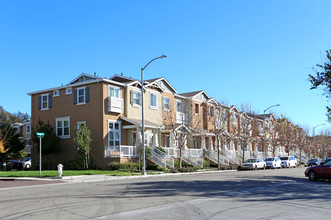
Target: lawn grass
x=51 y=173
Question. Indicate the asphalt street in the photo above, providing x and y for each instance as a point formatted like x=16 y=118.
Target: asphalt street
x=262 y=194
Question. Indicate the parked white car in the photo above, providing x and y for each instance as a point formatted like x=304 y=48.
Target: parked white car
x=273 y=162
x=253 y=164
x=288 y=161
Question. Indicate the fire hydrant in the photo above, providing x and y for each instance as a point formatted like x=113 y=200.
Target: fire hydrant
x=59 y=169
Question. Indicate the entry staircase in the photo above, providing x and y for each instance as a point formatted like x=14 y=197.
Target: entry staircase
x=212 y=155
x=193 y=156
x=162 y=159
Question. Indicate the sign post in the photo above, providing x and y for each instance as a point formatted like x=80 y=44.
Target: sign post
x=40 y=135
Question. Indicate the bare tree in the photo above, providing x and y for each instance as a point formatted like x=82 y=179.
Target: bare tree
x=245 y=133
x=302 y=141
x=220 y=121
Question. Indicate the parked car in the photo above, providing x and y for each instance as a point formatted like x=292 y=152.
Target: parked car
x=327 y=160
x=322 y=171
x=288 y=161
x=17 y=165
x=26 y=163
x=253 y=164
x=273 y=162
x=314 y=161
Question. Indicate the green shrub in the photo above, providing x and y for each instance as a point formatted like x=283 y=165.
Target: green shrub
x=128 y=166
x=184 y=164
x=188 y=169
x=152 y=166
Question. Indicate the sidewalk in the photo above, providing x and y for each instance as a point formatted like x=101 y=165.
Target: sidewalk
x=9 y=182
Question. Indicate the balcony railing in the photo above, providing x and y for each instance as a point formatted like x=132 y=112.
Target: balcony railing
x=115 y=104
x=121 y=151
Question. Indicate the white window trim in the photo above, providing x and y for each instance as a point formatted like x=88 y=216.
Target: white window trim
x=120 y=131
x=26 y=129
x=195 y=104
x=84 y=89
x=41 y=107
x=135 y=104
x=68 y=93
x=56 y=91
x=166 y=109
x=156 y=101
x=63 y=119
x=182 y=105
x=79 y=123
x=114 y=87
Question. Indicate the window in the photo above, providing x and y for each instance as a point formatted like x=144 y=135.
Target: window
x=114 y=92
x=80 y=123
x=211 y=111
x=134 y=138
x=63 y=127
x=45 y=101
x=197 y=108
x=81 y=96
x=167 y=141
x=28 y=129
x=233 y=118
x=135 y=98
x=179 y=106
x=153 y=103
x=166 y=103
x=195 y=143
x=56 y=93
x=68 y=91
x=114 y=135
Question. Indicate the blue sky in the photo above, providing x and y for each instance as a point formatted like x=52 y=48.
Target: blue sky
x=254 y=52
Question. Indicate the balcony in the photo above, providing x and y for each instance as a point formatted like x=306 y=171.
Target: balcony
x=115 y=104
x=121 y=151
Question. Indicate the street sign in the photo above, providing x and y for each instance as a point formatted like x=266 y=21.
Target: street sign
x=40 y=134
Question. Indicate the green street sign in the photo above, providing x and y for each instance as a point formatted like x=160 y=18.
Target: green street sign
x=40 y=135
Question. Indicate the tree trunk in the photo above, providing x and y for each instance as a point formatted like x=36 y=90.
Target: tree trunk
x=218 y=153
x=180 y=158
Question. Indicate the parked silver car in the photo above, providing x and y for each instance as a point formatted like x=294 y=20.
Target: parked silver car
x=273 y=162
x=253 y=164
x=288 y=161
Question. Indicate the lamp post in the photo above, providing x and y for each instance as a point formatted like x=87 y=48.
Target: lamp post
x=142 y=112
x=314 y=138
x=265 y=130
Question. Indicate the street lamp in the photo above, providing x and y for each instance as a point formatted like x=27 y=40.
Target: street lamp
x=142 y=111
x=265 y=130
x=314 y=138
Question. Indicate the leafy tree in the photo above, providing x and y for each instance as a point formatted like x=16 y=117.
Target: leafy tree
x=10 y=141
x=50 y=142
x=323 y=79
x=83 y=140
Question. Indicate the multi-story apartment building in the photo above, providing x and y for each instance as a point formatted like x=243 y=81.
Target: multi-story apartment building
x=112 y=109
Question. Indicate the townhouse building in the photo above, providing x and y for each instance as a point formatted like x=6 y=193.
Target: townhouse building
x=111 y=108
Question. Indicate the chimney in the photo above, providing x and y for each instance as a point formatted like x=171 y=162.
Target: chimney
x=121 y=74
x=95 y=74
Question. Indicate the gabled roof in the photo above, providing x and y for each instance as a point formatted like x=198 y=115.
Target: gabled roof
x=138 y=122
x=122 y=79
x=234 y=108
x=194 y=94
x=83 y=78
x=156 y=80
x=212 y=100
